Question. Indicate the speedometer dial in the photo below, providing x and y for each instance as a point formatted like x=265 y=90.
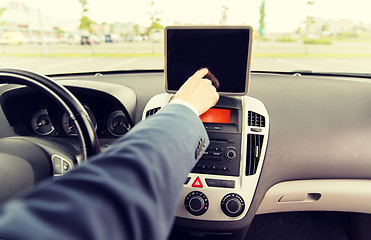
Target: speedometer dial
x=69 y=126
x=118 y=124
x=40 y=122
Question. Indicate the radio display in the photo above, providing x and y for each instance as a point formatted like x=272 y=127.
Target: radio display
x=216 y=115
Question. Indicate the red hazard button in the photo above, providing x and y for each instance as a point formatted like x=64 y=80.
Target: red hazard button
x=197 y=183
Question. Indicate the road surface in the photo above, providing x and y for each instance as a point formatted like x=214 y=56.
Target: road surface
x=270 y=56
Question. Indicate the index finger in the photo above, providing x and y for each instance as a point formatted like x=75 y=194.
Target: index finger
x=200 y=73
x=213 y=79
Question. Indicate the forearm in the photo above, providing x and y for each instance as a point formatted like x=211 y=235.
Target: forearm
x=130 y=191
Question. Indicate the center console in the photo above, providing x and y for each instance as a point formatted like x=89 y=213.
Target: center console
x=222 y=184
x=218 y=192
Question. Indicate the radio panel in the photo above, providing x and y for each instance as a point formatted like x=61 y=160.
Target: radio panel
x=222 y=157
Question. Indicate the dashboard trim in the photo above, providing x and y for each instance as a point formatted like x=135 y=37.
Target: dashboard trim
x=332 y=195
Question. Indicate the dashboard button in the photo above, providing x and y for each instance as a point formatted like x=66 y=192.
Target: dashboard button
x=227 y=183
x=57 y=165
x=225 y=168
x=217 y=149
x=197 y=183
x=187 y=180
x=66 y=166
x=213 y=182
x=220 y=183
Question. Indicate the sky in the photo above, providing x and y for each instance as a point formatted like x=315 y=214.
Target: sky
x=281 y=15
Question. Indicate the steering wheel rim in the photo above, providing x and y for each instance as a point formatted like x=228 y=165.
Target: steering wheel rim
x=86 y=132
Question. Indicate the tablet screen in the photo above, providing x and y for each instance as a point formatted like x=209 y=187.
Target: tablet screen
x=224 y=51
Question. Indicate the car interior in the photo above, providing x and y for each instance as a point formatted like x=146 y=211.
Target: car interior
x=289 y=154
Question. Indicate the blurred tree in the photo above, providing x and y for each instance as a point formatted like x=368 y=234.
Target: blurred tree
x=111 y=28
x=309 y=3
x=261 y=20
x=298 y=31
x=136 y=29
x=155 y=29
x=223 y=19
x=310 y=19
x=2 y=10
x=155 y=25
x=325 y=28
x=308 y=24
x=85 y=21
x=58 y=30
x=85 y=24
x=155 y=20
x=84 y=5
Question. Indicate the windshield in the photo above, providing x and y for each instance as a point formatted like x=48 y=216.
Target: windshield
x=51 y=37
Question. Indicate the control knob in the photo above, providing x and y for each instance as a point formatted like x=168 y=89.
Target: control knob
x=232 y=205
x=196 y=203
x=231 y=154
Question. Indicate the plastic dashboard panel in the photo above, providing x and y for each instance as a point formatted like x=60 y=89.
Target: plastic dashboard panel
x=319 y=128
x=318 y=195
x=125 y=95
x=244 y=185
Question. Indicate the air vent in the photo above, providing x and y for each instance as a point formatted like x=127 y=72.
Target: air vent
x=152 y=111
x=254 y=148
x=255 y=120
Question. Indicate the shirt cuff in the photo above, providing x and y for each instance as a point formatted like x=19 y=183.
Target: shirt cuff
x=185 y=103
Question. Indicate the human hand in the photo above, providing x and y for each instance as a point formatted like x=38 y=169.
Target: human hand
x=198 y=91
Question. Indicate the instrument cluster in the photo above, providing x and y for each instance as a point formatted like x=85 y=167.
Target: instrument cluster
x=115 y=123
x=34 y=114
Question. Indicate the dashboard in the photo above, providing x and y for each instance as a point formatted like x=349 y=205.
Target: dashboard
x=33 y=114
x=295 y=143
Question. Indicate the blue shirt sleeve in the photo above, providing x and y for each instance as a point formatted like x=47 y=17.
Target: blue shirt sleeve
x=130 y=191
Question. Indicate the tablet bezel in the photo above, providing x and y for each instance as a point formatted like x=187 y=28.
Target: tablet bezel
x=247 y=80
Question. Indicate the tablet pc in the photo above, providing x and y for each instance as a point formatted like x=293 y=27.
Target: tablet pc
x=224 y=50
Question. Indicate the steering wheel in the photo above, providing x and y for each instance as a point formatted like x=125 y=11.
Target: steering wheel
x=27 y=160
